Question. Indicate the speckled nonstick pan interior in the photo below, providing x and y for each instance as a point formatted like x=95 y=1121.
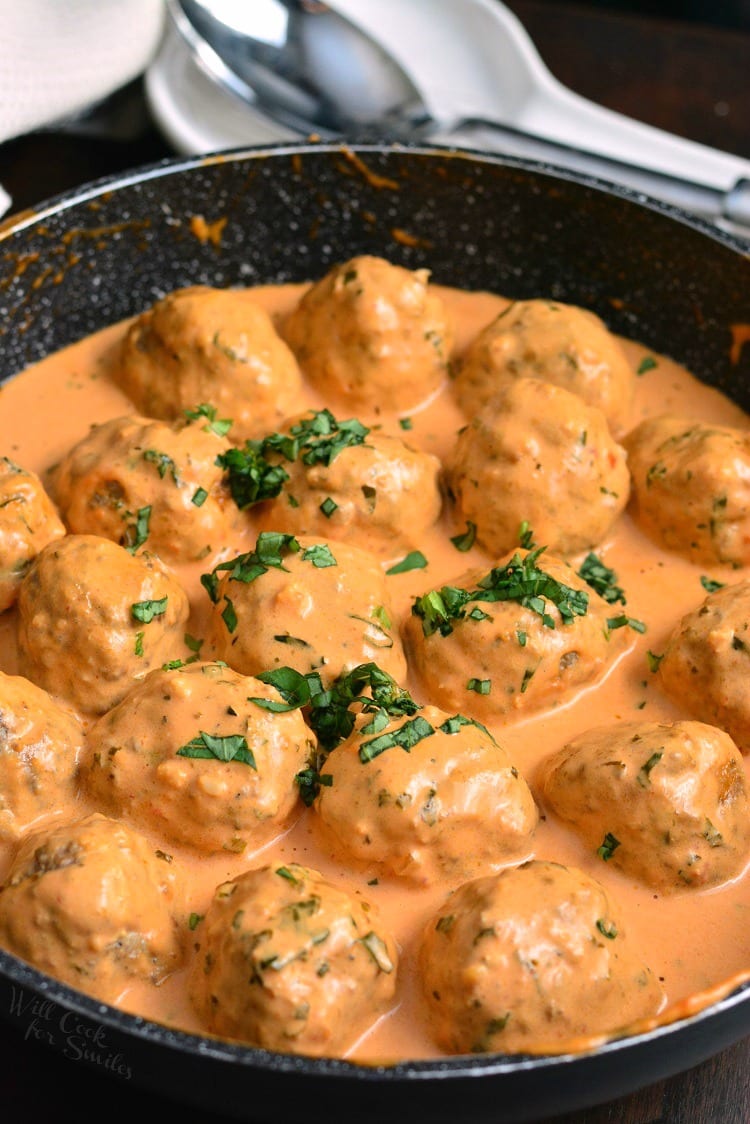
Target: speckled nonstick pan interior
x=106 y=251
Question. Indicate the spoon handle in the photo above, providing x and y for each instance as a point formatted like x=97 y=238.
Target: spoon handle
x=729 y=209
x=473 y=61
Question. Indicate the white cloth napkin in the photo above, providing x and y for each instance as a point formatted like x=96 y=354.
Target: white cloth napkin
x=57 y=57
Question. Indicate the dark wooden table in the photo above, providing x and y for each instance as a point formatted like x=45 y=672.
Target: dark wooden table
x=688 y=78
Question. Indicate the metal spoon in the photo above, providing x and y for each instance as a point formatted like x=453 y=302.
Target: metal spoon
x=302 y=63
x=453 y=71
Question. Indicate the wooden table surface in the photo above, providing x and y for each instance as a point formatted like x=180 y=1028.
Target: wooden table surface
x=688 y=78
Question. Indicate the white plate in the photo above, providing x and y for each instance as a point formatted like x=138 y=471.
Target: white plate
x=195 y=115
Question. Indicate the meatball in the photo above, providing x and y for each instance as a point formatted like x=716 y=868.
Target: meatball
x=705 y=663
x=131 y=463
x=529 y=959
x=40 y=746
x=691 y=487
x=28 y=521
x=538 y=454
x=522 y=637
x=190 y=755
x=310 y=604
x=92 y=904
x=291 y=962
x=202 y=345
x=558 y=343
x=426 y=797
x=372 y=336
x=94 y=617
x=348 y=482
x=666 y=803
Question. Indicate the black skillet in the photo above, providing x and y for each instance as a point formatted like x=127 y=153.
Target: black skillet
x=105 y=251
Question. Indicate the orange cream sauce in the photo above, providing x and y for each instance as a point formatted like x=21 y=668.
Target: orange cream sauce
x=693 y=940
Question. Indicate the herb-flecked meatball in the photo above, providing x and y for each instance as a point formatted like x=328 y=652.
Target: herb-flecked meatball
x=94 y=617
x=372 y=336
x=427 y=796
x=559 y=343
x=190 y=756
x=347 y=481
x=518 y=638
x=666 y=803
x=40 y=746
x=538 y=454
x=529 y=959
x=291 y=962
x=92 y=904
x=201 y=345
x=691 y=487
x=310 y=604
x=28 y=521
x=129 y=464
x=705 y=664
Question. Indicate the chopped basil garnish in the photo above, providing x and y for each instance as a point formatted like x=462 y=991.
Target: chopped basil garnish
x=657 y=471
x=292 y=641
x=381 y=614
x=199 y=497
x=137 y=533
x=646 y=364
x=406 y=736
x=601 y=579
x=229 y=615
x=466 y=540
x=271 y=548
x=232 y=747
x=644 y=773
x=285 y=872
x=219 y=426
x=328 y=507
x=250 y=476
x=608 y=847
x=415 y=560
x=316 y=440
x=294 y=688
x=310 y=780
x=320 y=555
x=480 y=686
x=607 y=930
x=378 y=636
x=626 y=622
x=138 y=650
x=145 y=611
x=457 y=721
x=710 y=585
x=653 y=660
x=331 y=710
x=162 y=462
x=528 y=675
x=520 y=580
x=526 y=536
x=378 y=951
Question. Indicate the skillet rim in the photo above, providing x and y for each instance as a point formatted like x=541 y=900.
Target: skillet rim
x=20 y=974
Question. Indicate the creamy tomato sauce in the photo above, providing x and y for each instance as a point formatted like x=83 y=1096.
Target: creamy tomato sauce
x=694 y=941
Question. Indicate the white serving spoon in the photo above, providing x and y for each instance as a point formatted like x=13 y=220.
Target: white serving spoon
x=476 y=68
